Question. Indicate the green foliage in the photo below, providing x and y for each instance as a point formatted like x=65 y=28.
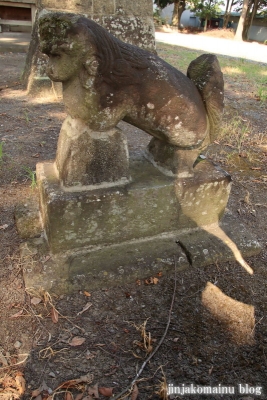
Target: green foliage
x=163 y=3
x=207 y=8
x=158 y=19
x=234 y=132
x=31 y=175
x=262 y=93
x=1 y=151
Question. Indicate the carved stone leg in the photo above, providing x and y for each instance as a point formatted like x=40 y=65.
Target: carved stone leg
x=170 y=160
x=85 y=157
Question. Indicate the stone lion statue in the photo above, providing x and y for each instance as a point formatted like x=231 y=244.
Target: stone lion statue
x=106 y=80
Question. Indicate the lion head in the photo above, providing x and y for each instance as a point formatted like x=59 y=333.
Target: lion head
x=77 y=45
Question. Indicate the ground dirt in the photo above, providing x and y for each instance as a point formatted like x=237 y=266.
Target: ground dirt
x=212 y=338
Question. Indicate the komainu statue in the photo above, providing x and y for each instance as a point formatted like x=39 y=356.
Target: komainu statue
x=106 y=80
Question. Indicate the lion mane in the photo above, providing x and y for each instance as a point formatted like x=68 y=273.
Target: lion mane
x=122 y=81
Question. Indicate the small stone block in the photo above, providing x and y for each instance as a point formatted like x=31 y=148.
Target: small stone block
x=27 y=218
x=86 y=157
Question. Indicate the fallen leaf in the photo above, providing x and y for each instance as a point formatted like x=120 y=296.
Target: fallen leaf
x=68 y=396
x=20 y=382
x=3 y=359
x=35 y=300
x=43 y=387
x=107 y=392
x=151 y=281
x=159 y=273
x=8 y=382
x=256 y=168
x=87 y=305
x=93 y=391
x=4 y=226
x=210 y=370
x=87 y=293
x=89 y=355
x=79 y=396
x=54 y=315
x=148 y=281
x=46 y=259
x=77 y=341
x=18 y=314
x=138 y=282
x=135 y=392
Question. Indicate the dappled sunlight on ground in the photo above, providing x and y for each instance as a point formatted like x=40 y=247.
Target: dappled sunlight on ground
x=237 y=317
x=216 y=231
x=232 y=71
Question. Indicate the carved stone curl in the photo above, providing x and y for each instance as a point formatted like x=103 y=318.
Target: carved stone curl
x=105 y=81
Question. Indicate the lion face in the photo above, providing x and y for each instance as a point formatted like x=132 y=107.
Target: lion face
x=63 y=66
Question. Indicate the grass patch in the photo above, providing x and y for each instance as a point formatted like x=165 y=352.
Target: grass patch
x=239 y=69
x=236 y=143
x=31 y=175
x=1 y=151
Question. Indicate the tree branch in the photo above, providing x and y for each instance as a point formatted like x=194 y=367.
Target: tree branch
x=130 y=387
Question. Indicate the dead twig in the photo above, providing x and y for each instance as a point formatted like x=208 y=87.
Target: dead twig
x=129 y=388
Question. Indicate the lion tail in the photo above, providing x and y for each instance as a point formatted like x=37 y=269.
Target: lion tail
x=206 y=74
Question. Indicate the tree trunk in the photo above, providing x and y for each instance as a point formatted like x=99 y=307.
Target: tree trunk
x=179 y=7
x=250 y=17
x=180 y=11
x=175 y=19
x=205 y=24
x=227 y=13
x=240 y=26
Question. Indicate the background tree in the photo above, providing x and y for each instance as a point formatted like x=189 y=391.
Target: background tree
x=227 y=14
x=206 y=9
x=249 y=10
x=179 y=7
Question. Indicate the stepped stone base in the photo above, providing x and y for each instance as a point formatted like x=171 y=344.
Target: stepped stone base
x=113 y=235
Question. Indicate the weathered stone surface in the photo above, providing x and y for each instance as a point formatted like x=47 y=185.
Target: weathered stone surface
x=130 y=21
x=171 y=160
x=27 y=218
x=151 y=204
x=203 y=198
x=228 y=240
x=106 y=80
x=104 y=266
x=86 y=157
x=97 y=267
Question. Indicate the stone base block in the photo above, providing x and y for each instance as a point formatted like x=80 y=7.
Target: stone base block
x=102 y=267
x=151 y=204
x=111 y=236
x=27 y=218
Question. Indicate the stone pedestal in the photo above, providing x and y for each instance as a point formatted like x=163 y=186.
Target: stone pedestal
x=150 y=205
x=85 y=157
x=116 y=234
